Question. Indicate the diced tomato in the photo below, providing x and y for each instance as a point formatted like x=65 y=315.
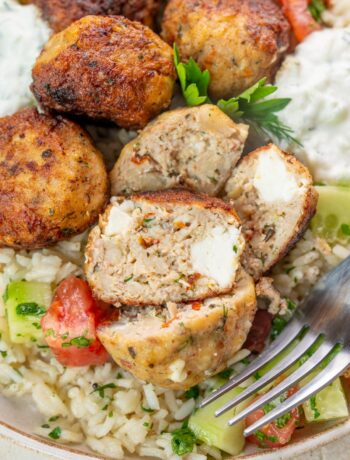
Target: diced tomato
x=69 y=324
x=300 y=18
x=277 y=433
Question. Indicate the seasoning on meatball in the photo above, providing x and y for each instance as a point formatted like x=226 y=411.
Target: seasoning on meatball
x=238 y=41
x=106 y=68
x=61 y=13
x=53 y=182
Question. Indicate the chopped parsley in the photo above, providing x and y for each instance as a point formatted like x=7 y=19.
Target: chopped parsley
x=235 y=249
x=278 y=324
x=226 y=373
x=146 y=409
x=316 y=8
x=314 y=407
x=54 y=418
x=30 y=309
x=192 y=392
x=55 y=433
x=182 y=441
x=129 y=278
x=282 y=421
x=46 y=425
x=3 y=354
x=345 y=228
x=80 y=342
x=101 y=389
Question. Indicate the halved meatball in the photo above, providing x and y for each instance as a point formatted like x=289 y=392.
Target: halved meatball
x=61 y=13
x=238 y=41
x=181 y=351
x=53 y=182
x=168 y=246
x=106 y=67
x=274 y=196
x=194 y=147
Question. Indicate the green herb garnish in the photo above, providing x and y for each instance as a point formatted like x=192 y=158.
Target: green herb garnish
x=278 y=324
x=250 y=107
x=146 y=409
x=314 y=407
x=30 y=309
x=183 y=441
x=345 y=228
x=283 y=420
x=128 y=279
x=55 y=433
x=80 y=342
x=54 y=418
x=316 y=8
x=226 y=373
x=194 y=83
x=192 y=392
x=101 y=389
x=3 y=354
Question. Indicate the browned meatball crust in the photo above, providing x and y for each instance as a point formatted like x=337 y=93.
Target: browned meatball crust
x=53 y=182
x=106 y=68
x=61 y=13
x=238 y=41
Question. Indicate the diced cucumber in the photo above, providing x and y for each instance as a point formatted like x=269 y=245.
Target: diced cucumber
x=214 y=431
x=332 y=219
x=25 y=303
x=330 y=403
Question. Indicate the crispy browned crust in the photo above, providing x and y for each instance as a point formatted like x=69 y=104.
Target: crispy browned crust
x=106 y=68
x=61 y=13
x=53 y=182
x=184 y=196
x=236 y=40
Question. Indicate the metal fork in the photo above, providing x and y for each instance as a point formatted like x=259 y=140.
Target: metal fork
x=321 y=330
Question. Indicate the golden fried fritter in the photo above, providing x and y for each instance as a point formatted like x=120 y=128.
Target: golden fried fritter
x=238 y=41
x=61 y=13
x=106 y=68
x=53 y=182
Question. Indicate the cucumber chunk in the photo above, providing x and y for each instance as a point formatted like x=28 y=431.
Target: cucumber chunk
x=332 y=219
x=26 y=303
x=214 y=431
x=330 y=403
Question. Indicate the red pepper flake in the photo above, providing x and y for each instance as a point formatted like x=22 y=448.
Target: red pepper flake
x=147 y=242
x=139 y=159
x=167 y=323
x=179 y=224
x=196 y=306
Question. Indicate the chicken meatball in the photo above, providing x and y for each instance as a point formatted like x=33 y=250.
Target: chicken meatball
x=194 y=147
x=274 y=196
x=238 y=41
x=61 y=13
x=53 y=182
x=164 y=246
x=177 y=352
x=106 y=68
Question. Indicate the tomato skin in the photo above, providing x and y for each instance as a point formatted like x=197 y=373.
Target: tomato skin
x=300 y=18
x=75 y=314
x=270 y=435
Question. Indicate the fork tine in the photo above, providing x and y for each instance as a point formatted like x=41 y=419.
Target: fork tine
x=293 y=329
x=295 y=377
x=305 y=343
x=338 y=364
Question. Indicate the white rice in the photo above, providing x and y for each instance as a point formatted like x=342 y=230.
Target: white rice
x=134 y=417
x=338 y=15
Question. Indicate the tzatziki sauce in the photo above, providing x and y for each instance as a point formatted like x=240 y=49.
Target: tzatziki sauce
x=317 y=79
x=22 y=36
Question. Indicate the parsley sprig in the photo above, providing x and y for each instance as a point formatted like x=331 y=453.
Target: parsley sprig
x=316 y=8
x=249 y=106
x=194 y=83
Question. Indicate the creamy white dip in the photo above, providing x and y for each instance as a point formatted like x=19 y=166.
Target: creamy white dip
x=338 y=15
x=317 y=78
x=22 y=35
